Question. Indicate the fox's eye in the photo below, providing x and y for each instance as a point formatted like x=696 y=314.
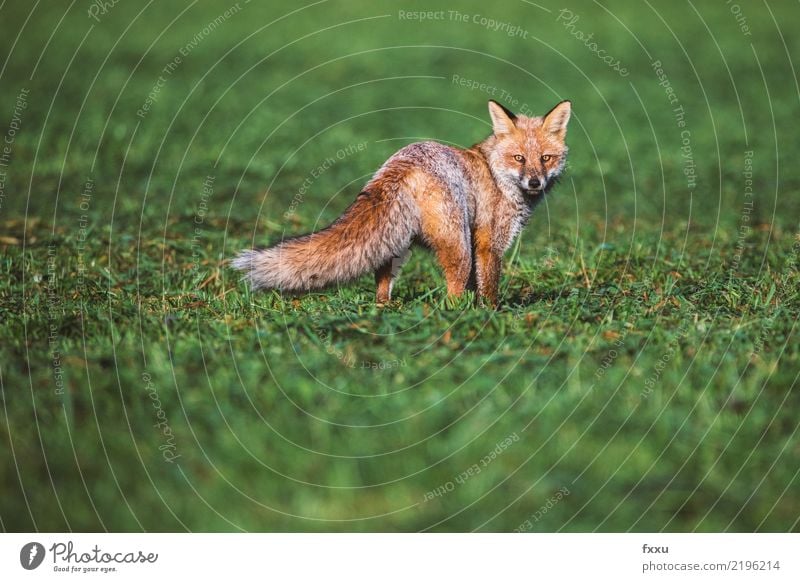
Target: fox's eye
x=546 y=158
x=519 y=158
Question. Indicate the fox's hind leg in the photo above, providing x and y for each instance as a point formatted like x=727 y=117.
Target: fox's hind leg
x=487 y=266
x=450 y=240
x=457 y=265
x=455 y=256
x=444 y=228
x=385 y=276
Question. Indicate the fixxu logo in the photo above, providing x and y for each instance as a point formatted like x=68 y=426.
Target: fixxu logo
x=31 y=555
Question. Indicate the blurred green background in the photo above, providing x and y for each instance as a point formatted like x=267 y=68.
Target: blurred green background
x=644 y=357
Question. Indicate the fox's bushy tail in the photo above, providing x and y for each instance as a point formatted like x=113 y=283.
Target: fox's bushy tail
x=378 y=226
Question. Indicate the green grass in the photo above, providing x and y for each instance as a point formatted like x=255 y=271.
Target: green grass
x=644 y=356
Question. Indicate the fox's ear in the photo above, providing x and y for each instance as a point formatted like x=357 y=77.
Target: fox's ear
x=555 y=122
x=502 y=118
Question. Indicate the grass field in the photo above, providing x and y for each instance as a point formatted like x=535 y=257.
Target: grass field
x=640 y=373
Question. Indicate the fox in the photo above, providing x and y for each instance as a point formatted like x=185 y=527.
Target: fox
x=467 y=205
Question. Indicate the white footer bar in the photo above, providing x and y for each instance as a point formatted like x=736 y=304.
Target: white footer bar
x=390 y=557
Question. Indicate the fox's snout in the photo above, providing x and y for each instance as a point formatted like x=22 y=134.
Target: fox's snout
x=534 y=182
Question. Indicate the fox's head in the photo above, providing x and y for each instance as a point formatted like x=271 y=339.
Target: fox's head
x=528 y=152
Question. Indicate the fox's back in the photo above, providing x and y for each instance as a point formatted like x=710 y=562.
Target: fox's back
x=432 y=166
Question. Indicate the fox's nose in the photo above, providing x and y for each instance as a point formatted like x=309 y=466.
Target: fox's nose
x=534 y=184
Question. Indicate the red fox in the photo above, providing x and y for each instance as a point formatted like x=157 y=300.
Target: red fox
x=466 y=205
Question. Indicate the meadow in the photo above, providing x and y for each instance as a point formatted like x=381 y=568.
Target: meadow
x=639 y=374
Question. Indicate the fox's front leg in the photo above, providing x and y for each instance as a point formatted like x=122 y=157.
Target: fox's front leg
x=488 y=263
